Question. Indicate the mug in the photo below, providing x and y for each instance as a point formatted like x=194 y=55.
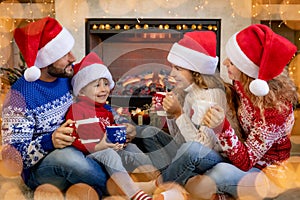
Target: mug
x=116 y=134
x=158 y=98
x=200 y=107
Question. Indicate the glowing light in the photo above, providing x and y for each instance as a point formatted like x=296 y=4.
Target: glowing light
x=146 y=26
x=178 y=27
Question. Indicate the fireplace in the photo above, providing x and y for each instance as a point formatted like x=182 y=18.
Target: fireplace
x=135 y=52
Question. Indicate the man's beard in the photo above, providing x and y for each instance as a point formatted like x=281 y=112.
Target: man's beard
x=60 y=73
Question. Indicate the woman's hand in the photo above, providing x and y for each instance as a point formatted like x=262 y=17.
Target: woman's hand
x=62 y=137
x=104 y=144
x=214 y=118
x=172 y=105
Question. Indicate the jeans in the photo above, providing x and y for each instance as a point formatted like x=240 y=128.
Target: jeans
x=117 y=163
x=65 y=167
x=191 y=159
x=230 y=179
x=158 y=145
x=124 y=160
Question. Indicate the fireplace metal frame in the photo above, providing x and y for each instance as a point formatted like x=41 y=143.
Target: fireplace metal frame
x=100 y=29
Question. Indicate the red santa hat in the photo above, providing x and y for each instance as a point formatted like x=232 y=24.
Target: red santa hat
x=196 y=51
x=42 y=43
x=90 y=69
x=261 y=54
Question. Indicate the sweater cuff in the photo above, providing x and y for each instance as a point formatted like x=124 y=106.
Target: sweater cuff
x=46 y=142
x=226 y=124
x=222 y=127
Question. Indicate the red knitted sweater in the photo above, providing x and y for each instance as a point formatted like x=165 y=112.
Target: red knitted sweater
x=85 y=108
x=266 y=143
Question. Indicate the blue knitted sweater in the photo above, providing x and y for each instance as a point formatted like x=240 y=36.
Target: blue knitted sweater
x=32 y=111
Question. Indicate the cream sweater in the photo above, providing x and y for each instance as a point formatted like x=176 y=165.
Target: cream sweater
x=188 y=124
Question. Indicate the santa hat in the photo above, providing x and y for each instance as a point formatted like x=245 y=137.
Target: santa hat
x=196 y=51
x=42 y=43
x=90 y=69
x=261 y=54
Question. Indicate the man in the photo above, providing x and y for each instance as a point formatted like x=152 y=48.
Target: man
x=35 y=108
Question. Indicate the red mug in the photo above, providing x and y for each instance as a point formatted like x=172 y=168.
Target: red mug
x=158 y=99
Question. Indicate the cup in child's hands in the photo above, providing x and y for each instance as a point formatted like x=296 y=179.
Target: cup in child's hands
x=116 y=134
x=158 y=99
x=200 y=107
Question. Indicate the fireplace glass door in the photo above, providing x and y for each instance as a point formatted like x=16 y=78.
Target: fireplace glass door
x=135 y=51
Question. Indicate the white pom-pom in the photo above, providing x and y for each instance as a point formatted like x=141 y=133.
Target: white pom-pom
x=32 y=74
x=259 y=87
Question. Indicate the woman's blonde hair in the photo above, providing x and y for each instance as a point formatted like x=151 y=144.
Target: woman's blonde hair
x=282 y=90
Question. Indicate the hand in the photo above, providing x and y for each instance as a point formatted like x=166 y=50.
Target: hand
x=103 y=144
x=62 y=136
x=214 y=117
x=130 y=132
x=172 y=105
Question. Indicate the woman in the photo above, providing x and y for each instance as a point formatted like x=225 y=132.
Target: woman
x=256 y=63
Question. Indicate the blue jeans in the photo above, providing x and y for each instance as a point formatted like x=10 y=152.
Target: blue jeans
x=191 y=159
x=228 y=178
x=65 y=167
x=158 y=145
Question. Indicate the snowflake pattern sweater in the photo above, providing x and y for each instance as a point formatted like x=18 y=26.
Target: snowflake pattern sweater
x=85 y=108
x=266 y=143
x=32 y=111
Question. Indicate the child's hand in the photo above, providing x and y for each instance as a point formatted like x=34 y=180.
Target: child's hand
x=214 y=117
x=172 y=105
x=118 y=146
x=103 y=144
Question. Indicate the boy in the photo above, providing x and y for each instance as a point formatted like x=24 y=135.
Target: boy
x=92 y=83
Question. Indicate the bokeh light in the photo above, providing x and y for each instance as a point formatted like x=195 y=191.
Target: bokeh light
x=11 y=164
x=81 y=191
x=207 y=185
x=117 y=7
x=48 y=191
x=241 y=8
x=253 y=186
x=169 y=4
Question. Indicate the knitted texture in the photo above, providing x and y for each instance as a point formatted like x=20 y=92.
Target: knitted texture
x=184 y=123
x=85 y=108
x=266 y=143
x=31 y=113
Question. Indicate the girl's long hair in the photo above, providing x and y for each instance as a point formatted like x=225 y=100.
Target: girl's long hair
x=207 y=81
x=282 y=91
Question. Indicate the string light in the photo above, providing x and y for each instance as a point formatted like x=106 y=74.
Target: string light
x=104 y=27
x=30 y=12
x=201 y=5
x=232 y=13
x=75 y=14
x=146 y=26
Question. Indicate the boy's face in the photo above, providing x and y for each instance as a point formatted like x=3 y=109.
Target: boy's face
x=97 y=90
